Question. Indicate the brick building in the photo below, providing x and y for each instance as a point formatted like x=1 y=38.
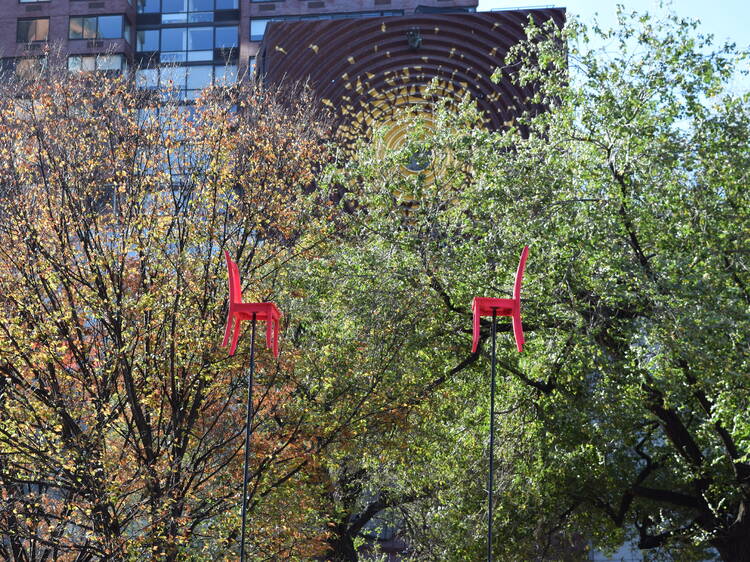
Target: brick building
x=201 y=40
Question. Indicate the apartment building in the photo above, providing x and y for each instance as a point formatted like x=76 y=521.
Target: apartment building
x=190 y=43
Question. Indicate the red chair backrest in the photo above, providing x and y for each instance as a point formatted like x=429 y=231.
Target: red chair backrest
x=235 y=292
x=519 y=274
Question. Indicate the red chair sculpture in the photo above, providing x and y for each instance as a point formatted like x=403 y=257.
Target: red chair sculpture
x=239 y=311
x=486 y=306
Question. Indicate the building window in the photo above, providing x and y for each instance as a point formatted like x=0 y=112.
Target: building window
x=28 y=31
x=198 y=8
x=258 y=26
x=182 y=11
x=147 y=40
x=148 y=6
x=31 y=1
x=96 y=62
x=251 y=66
x=226 y=37
x=99 y=27
x=28 y=68
x=195 y=44
x=185 y=82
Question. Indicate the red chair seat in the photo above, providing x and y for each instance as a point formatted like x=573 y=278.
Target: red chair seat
x=486 y=306
x=238 y=311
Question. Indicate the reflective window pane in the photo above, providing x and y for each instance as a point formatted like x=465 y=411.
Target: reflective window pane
x=147 y=78
x=174 y=39
x=226 y=4
x=257 y=29
x=32 y=30
x=148 y=40
x=201 y=17
x=88 y=64
x=198 y=56
x=201 y=5
x=173 y=77
x=200 y=38
x=225 y=75
x=75 y=29
x=174 y=6
x=89 y=28
x=148 y=6
x=110 y=27
x=109 y=62
x=199 y=77
x=178 y=56
x=174 y=18
x=226 y=37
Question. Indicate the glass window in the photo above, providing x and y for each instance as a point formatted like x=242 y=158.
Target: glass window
x=89 y=28
x=174 y=39
x=173 y=6
x=32 y=30
x=257 y=29
x=251 y=65
x=110 y=27
x=201 y=5
x=226 y=37
x=180 y=17
x=95 y=62
x=200 y=38
x=199 y=77
x=147 y=78
x=173 y=77
x=75 y=28
x=200 y=43
x=226 y=4
x=147 y=40
x=202 y=17
x=109 y=62
x=225 y=75
x=149 y=6
x=29 y=67
x=96 y=27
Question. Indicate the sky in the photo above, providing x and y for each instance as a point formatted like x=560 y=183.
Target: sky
x=726 y=20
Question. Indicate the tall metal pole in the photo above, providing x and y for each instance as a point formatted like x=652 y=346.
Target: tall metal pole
x=492 y=438
x=248 y=428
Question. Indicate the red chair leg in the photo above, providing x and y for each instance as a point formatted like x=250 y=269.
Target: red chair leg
x=276 y=337
x=518 y=329
x=227 y=330
x=475 y=333
x=236 y=335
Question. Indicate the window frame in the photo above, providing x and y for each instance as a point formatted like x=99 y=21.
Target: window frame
x=124 y=26
x=97 y=58
x=19 y=21
x=200 y=55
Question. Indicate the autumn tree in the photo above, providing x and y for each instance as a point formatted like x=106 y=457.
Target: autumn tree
x=626 y=416
x=121 y=421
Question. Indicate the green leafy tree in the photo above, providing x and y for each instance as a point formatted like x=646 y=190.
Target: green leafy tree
x=626 y=416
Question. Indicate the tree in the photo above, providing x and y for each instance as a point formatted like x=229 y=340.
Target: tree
x=121 y=421
x=626 y=416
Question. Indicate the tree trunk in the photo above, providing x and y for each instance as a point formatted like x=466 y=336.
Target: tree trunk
x=341 y=546
x=735 y=547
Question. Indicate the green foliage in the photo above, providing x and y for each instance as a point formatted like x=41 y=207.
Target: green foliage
x=626 y=415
